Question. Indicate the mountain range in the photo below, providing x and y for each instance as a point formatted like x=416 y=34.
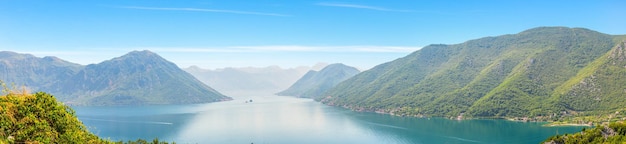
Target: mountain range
x=538 y=72
x=314 y=83
x=249 y=81
x=137 y=78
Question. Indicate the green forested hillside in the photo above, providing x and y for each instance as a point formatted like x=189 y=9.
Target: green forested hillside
x=315 y=83
x=599 y=86
x=536 y=72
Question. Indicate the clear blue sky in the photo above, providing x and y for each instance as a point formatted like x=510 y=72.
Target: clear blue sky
x=287 y=33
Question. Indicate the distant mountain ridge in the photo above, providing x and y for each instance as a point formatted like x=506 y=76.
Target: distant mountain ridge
x=315 y=83
x=249 y=81
x=537 y=72
x=137 y=78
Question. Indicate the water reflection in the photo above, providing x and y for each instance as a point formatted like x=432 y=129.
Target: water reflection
x=273 y=119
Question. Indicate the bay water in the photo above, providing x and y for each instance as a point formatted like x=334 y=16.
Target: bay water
x=287 y=120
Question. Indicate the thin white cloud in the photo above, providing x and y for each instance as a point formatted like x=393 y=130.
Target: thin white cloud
x=228 y=49
x=386 y=49
x=287 y=48
x=204 y=10
x=358 y=6
x=193 y=50
x=284 y=48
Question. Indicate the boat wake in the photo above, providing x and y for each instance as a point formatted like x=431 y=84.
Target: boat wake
x=462 y=139
x=384 y=125
x=120 y=121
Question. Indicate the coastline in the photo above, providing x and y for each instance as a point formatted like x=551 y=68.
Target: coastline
x=566 y=124
x=394 y=112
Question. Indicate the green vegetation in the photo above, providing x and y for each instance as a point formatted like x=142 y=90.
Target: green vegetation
x=315 y=83
x=40 y=118
x=611 y=133
x=543 y=73
x=142 y=141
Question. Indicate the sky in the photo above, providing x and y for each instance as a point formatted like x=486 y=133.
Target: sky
x=287 y=33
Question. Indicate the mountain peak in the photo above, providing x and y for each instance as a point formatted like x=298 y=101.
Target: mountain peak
x=336 y=65
x=555 y=29
x=339 y=67
x=52 y=59
x=319 y=66
x=143 y=53
x=141 y=77
x=139 y=57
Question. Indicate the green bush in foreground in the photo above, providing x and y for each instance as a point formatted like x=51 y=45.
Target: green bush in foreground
x=614 y=133
x=40 y=118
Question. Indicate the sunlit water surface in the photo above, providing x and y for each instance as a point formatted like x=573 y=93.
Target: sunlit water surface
x=287 y=120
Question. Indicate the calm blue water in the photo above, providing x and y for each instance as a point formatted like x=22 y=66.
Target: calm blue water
x=276 y=120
